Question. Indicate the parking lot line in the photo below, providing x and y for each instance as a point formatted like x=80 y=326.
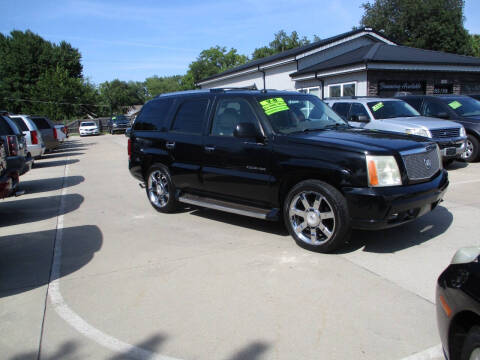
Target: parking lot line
x=72 y=318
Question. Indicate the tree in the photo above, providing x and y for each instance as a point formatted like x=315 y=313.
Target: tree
x=280 y=43
x=475 y=41
x=211 y=62
x=119 y=94
x=159 y=85
x=426 y=24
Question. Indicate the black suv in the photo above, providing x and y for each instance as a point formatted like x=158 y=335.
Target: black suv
x=274 y=154
x=460 y=108
x=118 y=123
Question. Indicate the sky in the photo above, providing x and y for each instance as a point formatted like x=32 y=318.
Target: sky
x=130 y=40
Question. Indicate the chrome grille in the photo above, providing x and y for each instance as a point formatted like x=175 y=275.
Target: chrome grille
x=445 y=133
x=423 y=165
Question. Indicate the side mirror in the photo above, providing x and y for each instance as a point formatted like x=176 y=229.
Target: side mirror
x=443 y=115
x=246 y=130
x=359 y=118
x=128 y=131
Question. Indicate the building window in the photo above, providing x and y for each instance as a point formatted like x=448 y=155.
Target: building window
x=339 y=90
x=312 y=91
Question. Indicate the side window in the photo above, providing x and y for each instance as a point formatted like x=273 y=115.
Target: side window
x=341 y=109
x=190 y=115
x=4 y=128
x=416 y=103
x=153 y=115
x=433 y=109
x=358 y=109
x=20 y=123
x=228 y=114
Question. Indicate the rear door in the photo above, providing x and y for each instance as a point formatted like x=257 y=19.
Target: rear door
x=46 y=131
x=234 y=167
x=184 y=141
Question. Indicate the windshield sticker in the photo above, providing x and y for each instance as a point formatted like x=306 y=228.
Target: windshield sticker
x=114 y=118
x=274 y=105
x=377 y=106
x=454 y=104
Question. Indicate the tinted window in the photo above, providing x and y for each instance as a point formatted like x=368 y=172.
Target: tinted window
x=463 y=106
x=433 y=108
x=189 y=118
x=154 y=115
x=391 y=109
x=14 y=130
x=415 y=102
x=229 y=113
x=41 y=123
x=20 y=123
x=4 y=128
x=120 y=119
x=358 y=109
x=341 y=109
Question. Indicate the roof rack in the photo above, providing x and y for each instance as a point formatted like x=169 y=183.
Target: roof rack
x=245 y=88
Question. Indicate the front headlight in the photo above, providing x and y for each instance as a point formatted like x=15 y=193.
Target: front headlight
x=114 y=124
x=419 y=132
x=463 y=133
x=383 y=171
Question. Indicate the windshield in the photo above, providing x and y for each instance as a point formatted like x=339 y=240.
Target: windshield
x=296 y=113
x=87 y=124
x=391 y=109
x=464 y=106
x=120 y=119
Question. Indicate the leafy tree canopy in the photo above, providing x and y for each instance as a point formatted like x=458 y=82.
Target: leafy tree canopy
x=156 y=85
x=281 y=42
x=119 y=95
x=425 y=24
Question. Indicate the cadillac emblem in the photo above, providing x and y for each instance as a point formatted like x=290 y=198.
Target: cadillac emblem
x=428 y=163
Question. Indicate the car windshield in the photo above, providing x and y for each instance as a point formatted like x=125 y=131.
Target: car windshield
x=463 y=106
x=391 y=109
x=298 y=113
x=120 y=119
x=87 y=124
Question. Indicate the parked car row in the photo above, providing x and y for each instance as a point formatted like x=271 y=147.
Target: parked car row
x=23 y=139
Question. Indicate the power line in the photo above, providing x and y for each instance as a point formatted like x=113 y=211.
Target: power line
x=54 y=102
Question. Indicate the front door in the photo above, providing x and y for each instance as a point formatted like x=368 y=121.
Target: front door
x=233 y=167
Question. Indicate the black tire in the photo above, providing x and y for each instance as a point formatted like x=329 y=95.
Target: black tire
x=473 y=156
x=161 y=197
x=331 y=214
x=471 y=344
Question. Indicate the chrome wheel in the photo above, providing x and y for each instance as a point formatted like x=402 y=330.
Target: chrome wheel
x=468 y=150
x=475 y=355
x=312 y=218
x=157 y=186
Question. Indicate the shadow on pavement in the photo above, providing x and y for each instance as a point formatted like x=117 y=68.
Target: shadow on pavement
x=66 y=351
x=151 y=344
x=61 y=154
x=272 y=227
x=402 y=237
x=25 y=259
x=43 y=164
x=251 y=352
x=49 y=184
x=17 y=211
x=456 y=165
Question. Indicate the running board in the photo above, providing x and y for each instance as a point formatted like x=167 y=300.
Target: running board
x=234 y=208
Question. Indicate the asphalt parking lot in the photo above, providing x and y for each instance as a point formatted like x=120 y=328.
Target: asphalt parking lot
x=88 y=269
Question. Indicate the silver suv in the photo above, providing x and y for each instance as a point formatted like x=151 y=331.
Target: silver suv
x=397 y=116
x=35 y=144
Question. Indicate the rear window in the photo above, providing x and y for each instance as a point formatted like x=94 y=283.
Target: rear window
x=41 y=123
x=189 y=118
x=4 y=128
x=154 y=115
x=20 y=123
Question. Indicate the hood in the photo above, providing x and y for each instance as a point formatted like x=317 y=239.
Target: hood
x=422 y=121
x=362 y=140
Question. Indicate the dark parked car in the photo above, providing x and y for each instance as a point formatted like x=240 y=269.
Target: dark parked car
x=11 y=162
x=118 y=123
x=476 y=97
x=458 y=306
x=460 y=108
x=48 y=131
x=15 y=146
x=276 y=154
x=6 y=181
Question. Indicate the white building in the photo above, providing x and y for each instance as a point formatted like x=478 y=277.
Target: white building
x=360 y=62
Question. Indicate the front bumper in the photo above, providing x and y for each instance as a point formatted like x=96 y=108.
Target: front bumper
x=452 y=149
x=385 y=207
x=89 y=132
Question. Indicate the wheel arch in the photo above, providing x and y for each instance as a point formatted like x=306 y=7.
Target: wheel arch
x=459 y=327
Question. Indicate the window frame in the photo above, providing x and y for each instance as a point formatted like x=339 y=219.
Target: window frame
x=341 y=88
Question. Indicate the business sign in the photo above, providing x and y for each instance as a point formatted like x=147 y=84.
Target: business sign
x=394 y=86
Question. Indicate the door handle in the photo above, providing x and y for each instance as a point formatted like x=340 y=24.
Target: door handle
x=209 y=148
x=170 y=144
